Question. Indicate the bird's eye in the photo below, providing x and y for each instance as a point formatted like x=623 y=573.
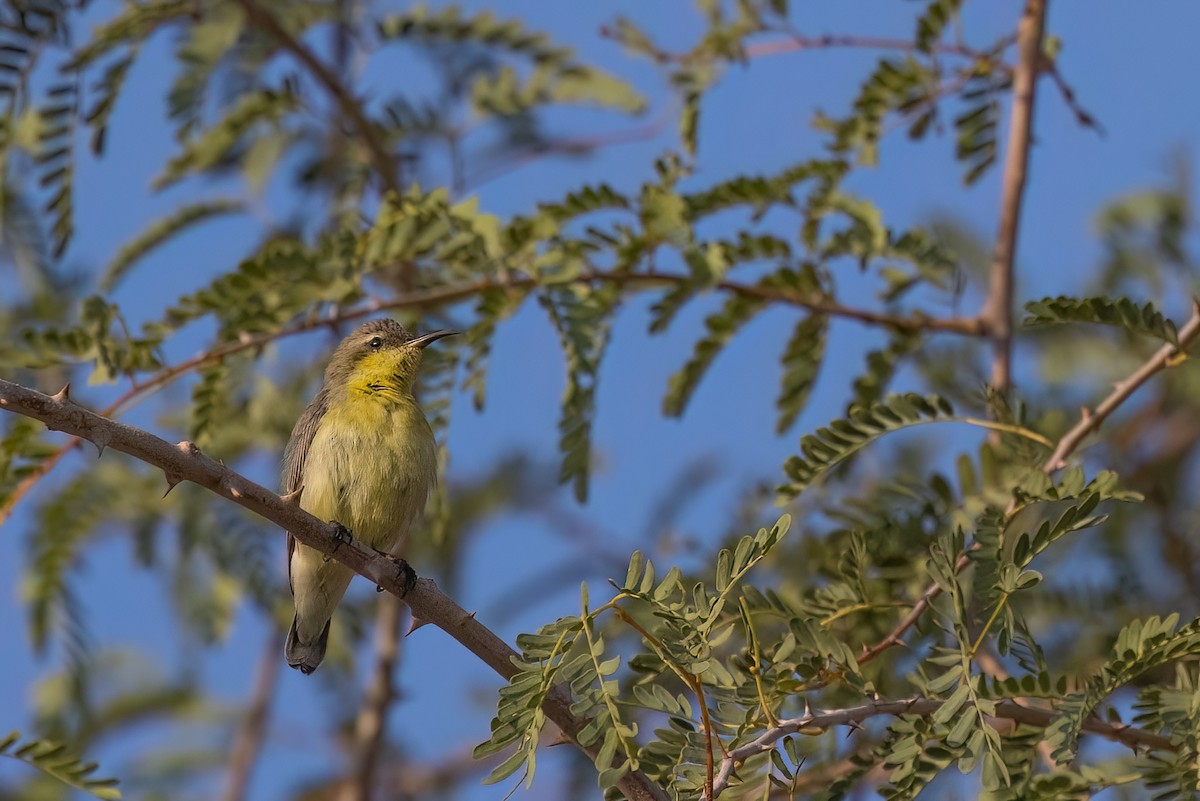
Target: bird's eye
x=376 y=342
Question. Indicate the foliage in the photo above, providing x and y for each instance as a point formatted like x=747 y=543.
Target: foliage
x=55 y=760
x=1036 y=602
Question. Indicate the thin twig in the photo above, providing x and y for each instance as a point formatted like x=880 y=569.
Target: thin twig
x=247 y=744
x=372 y=717
x=1089 y=422
x=812 y=722
x=1082 y=115
x=997 y=310
x=794 y=44
x=185 y=462
x=384 y=161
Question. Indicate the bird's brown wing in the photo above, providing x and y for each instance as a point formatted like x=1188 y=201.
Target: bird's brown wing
x=296 y=454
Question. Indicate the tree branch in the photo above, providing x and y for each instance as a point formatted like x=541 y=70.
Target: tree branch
x=997 y=310
x=185 y=462
x=247 y=745
x=372 y=717
x=1005 y=710
x=1089 y=421
x=447 y=295
x=384 y=162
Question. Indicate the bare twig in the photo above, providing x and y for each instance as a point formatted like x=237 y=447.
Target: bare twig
x=372 y=717
x=185 y=462
x=816 y=722
x=1082 y=115
x=382 y=159
x=447 y=295
x=247 y=745
x=794 y=44
x=997 y=310
x=574 y=146
x=1089 y=421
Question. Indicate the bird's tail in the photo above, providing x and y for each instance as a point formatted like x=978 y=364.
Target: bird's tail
x=305 y=656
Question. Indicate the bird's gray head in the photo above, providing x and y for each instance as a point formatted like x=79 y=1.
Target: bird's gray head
x=379 y=355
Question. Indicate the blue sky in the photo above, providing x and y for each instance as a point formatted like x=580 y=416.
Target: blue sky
x=1132 y=66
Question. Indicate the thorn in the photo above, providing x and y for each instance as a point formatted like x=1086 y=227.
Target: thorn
x=234 y=492
x=171 y=484
x=560 y=739
x=1085 y=413
x=414 y=624
x=100 y=440
x=293 y=498
x=63 y=395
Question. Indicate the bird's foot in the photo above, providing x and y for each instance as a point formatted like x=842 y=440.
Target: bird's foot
x=341 y=535
x=406 y=577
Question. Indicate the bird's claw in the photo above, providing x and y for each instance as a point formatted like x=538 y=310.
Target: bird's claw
x=406 y=577
x=341 y=535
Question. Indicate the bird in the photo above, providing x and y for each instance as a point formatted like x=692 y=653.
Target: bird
x=363 y=456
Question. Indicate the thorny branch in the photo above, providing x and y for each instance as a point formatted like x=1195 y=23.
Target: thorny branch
x=816 y=721
x=185 y=462
x=447 y=295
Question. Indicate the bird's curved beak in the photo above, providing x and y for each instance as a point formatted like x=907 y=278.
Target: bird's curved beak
x=422 y=341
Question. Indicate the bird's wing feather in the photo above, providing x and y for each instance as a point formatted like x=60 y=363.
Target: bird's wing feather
x=296 y=454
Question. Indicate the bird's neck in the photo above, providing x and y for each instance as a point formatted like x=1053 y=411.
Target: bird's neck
x=387 y=377
x=382 y=386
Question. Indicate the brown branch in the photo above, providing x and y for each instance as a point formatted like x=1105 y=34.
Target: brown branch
x=573 y=146
x=816 y=722
x=1082 y=115
x=795 y=44
x=185 y=462
x=384 y=161
x=1089 y=421
x=997 y=310
x=372 y=717
x=247 y=744
x=448 y=295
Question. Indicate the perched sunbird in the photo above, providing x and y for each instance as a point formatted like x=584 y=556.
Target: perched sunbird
x=362 y=455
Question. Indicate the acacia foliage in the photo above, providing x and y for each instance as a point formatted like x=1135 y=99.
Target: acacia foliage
x=671 y=669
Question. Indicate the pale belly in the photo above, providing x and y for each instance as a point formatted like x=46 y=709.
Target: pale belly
x=393 y=458
x=392 y=453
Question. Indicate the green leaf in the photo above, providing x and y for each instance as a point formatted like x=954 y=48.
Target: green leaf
x=208 y=149
x=56 y=761
x=1141 y=646
x=842 y=438
x=736 y=312
x=161 y=232
x=583 y=318
x=1120 y=312
x=801 y=361
x=933 y=21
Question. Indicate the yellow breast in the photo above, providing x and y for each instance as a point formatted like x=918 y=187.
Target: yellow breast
x=371 y=465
